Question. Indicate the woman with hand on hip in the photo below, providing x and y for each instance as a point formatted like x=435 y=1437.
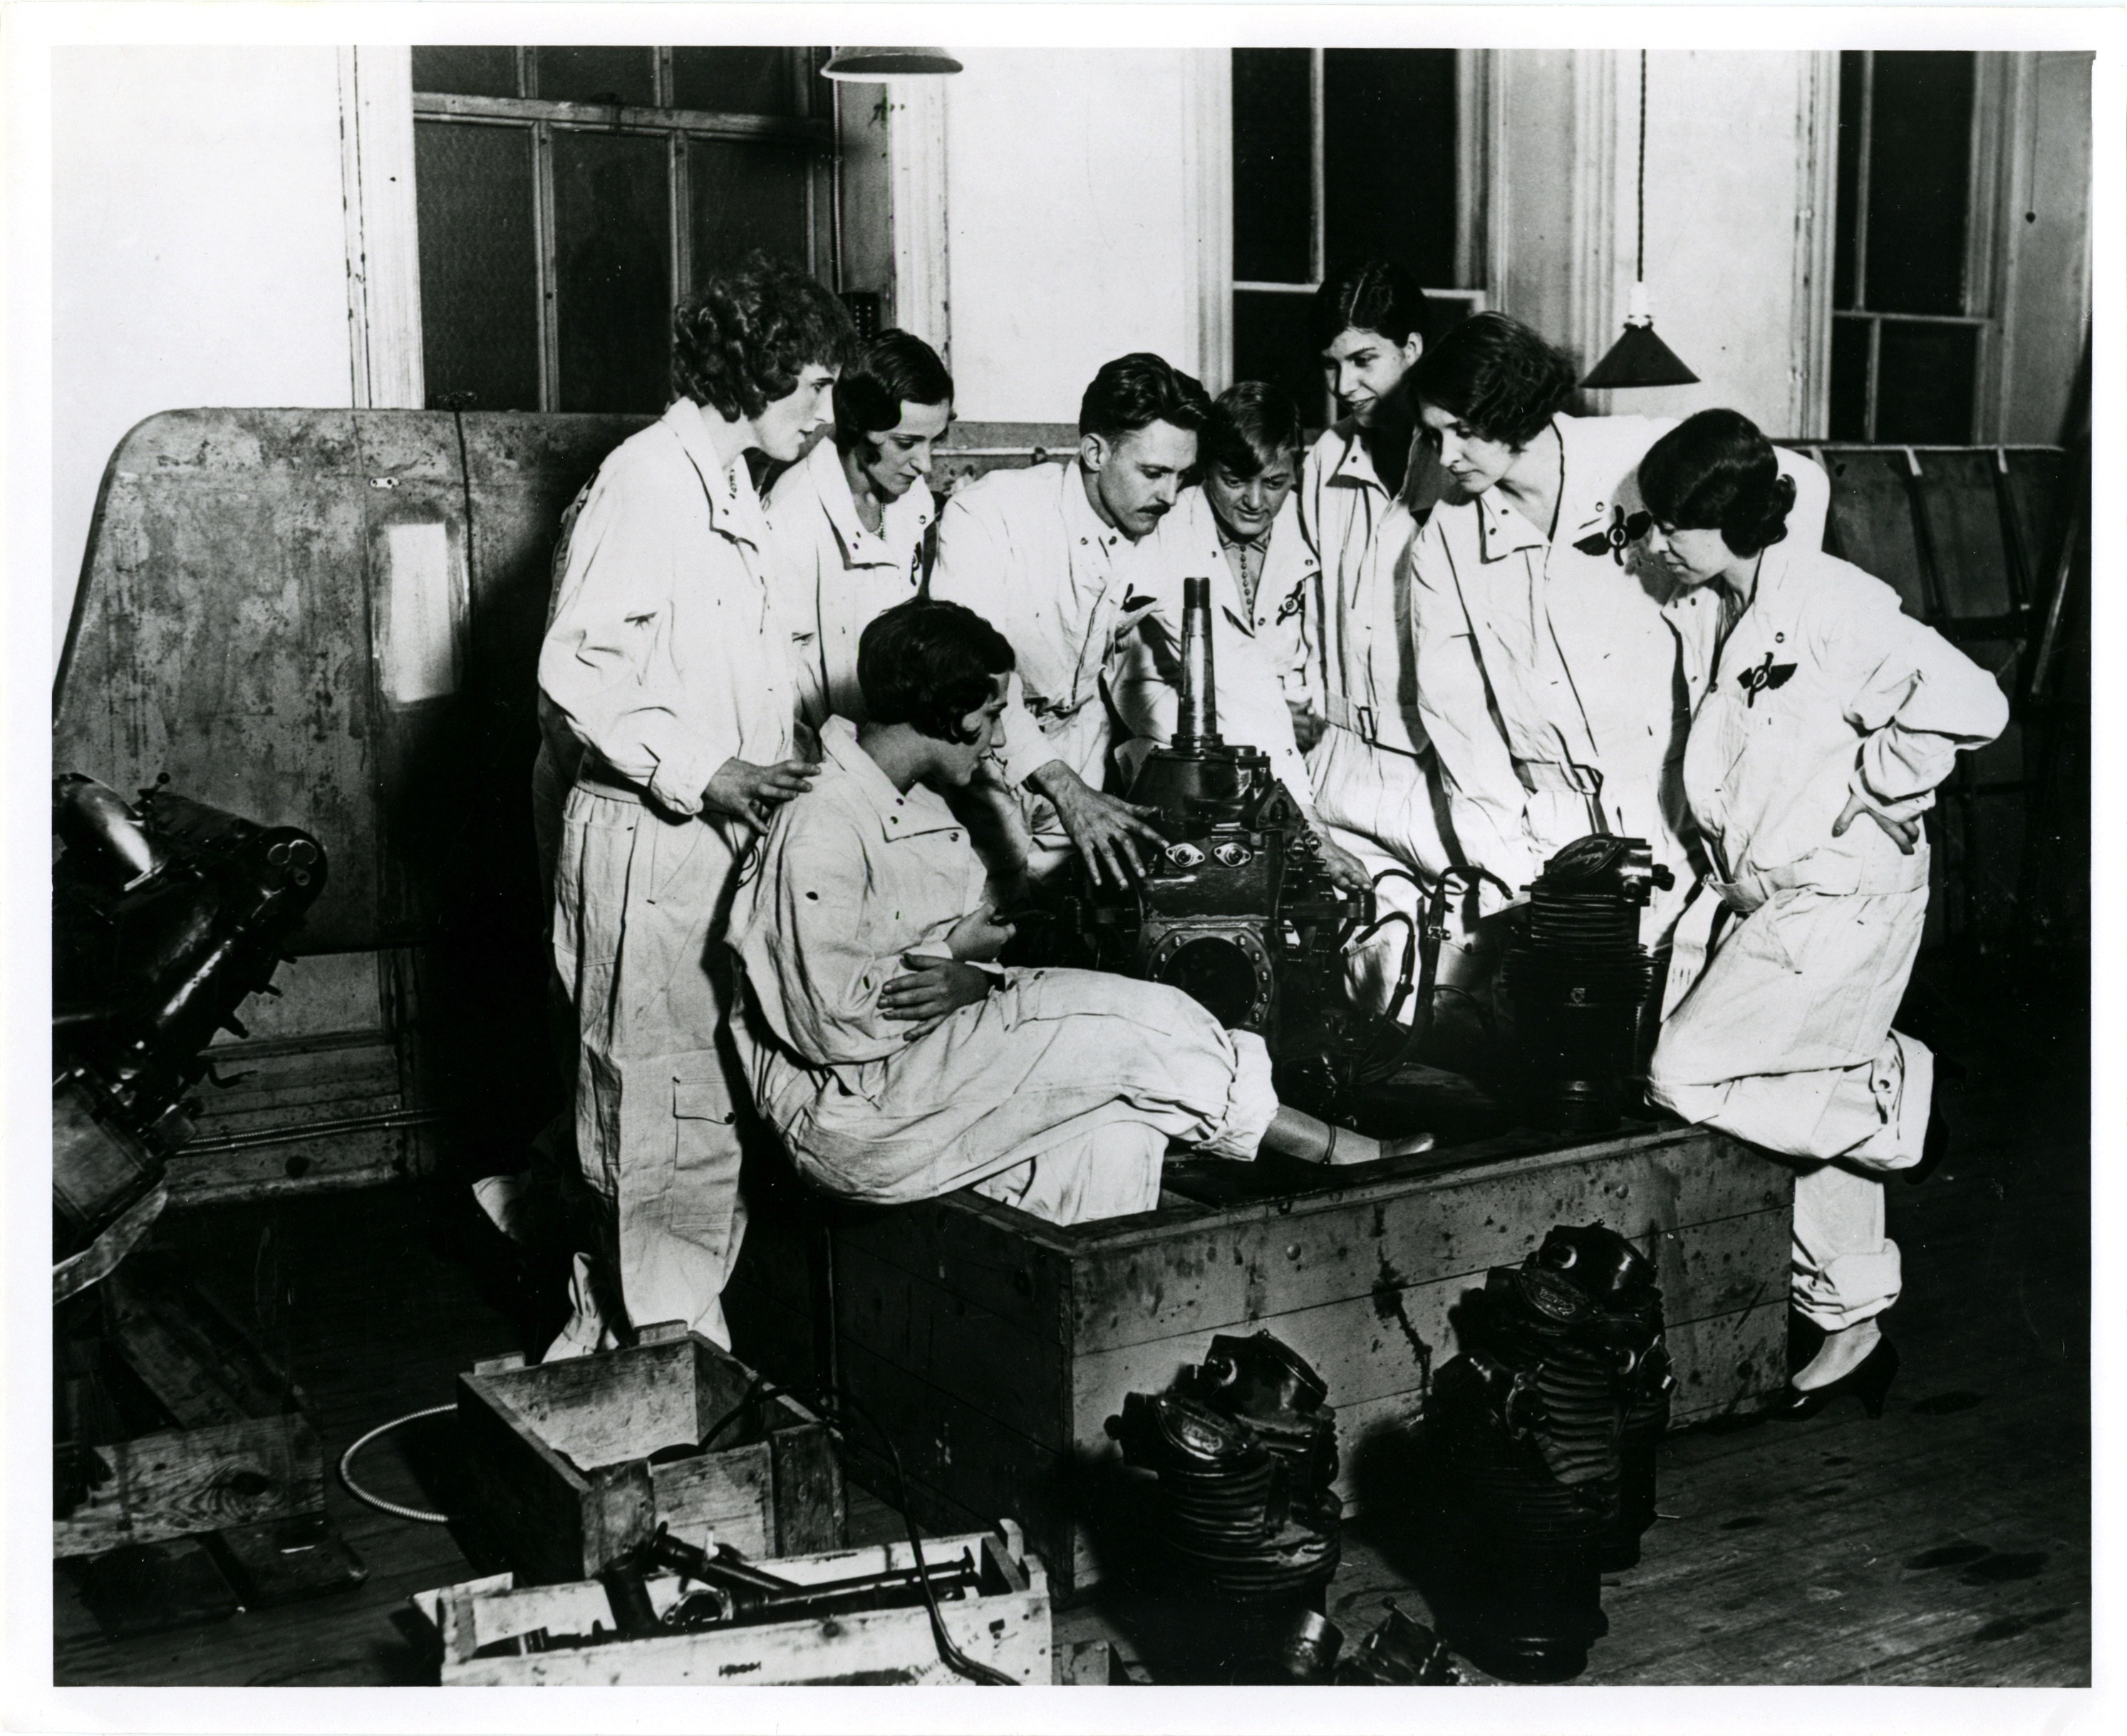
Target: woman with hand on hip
x=1823 y=719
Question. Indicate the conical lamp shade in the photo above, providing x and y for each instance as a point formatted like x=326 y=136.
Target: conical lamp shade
x=1638 y=358
x=875 y=64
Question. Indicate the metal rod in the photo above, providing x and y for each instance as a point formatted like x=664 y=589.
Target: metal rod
x=1199 y=720
x=382 y=1122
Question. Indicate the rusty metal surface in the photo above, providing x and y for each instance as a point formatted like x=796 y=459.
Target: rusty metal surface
x=224 y=633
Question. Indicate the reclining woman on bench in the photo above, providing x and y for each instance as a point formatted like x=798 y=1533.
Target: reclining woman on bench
x=897 y=1060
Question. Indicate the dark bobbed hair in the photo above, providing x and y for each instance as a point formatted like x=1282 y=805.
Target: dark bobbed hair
x=928 y=664
x=1497 y=375
x=895 y=369
x=740 y=340
x=1371 y=294
x=1715 y=470
x=1135 y=391
x=1252 y=424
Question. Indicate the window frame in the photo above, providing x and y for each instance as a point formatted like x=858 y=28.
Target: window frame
x=1471 y=98
x=818 y=134
x=1982 y=313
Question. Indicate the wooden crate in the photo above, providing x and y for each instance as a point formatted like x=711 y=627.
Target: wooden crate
x=995 y=1346
x=479 y=1626
x=560 y=1456
x=241 y=1451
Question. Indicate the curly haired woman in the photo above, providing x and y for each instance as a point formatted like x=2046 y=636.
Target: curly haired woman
x=664 y=661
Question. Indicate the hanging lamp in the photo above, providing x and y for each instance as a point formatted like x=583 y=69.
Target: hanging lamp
x=1639 y=357
x=873 y=64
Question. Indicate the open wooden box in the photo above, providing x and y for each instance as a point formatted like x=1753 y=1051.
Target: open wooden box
x=561 y=1456
x=493 y=1633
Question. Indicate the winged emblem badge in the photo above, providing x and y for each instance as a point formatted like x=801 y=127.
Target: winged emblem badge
x=1623 y=531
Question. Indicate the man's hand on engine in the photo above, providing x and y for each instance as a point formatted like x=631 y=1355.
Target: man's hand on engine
x=1108 y=832
x=936 y=988
x=1345 y=871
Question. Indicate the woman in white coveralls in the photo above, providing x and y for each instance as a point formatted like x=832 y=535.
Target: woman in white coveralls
x=1547 y=675
x=895 y=1059
x=1824 y=719
x=666 y=663
x=1363 y=493
x=850 y=527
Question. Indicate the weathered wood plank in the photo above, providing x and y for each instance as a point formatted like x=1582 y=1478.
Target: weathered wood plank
x=812 y=1508
x=1252 y=1261
x=731 y=1493
x=1014 y=1265
x=936 y=1333
x=601 y=1409
x=366 y=1159
x=528 y=1498
x=1372 y=1345
x=186 y=1481
x=1006 y=1627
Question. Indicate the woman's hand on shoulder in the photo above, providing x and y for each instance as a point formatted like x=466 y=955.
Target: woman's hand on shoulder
x=750 y=794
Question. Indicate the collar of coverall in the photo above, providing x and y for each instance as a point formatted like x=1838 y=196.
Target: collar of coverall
x=1080 y=523
x=1774 y=567
x=921 y=812
x=1355 y=469
x=1594 y=479
x=823 y=470
x=734 y=508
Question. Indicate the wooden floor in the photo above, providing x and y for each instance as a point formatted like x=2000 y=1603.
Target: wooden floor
x=1948 y=1544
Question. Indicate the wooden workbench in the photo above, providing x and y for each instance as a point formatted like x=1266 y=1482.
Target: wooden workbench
x=994 y=1346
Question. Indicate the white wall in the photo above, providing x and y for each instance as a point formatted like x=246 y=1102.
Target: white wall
x=1723 y=175
x=199 y=251
x=1070 y=221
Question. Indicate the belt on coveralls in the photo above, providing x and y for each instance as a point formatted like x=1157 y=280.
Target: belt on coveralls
x=1365 y=721
x=594 y=773
x=1837 y=876
x=1547 y=777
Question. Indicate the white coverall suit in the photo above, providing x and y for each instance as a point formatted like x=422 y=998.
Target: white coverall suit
x=1058 y=1093
x=665 y=660
x=1782 y=1036
x=1377 y=785
x=1025 y=550
x=832 y=577
x=1259 y=654
x=1547 y=675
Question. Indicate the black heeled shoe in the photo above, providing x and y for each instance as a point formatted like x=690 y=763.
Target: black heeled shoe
x=1868 y=1380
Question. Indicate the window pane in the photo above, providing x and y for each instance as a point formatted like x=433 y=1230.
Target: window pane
x=734 y=80
x=1270 y=343
x=1388 y=147
x=1273 y=220
x=744 y=197
x=480 y=277
x=1924 y=382
x=1919 y=175
x=1853 y=90
x=612 y=266
x=599 y=75
x=466 y=71
x=1850 y=380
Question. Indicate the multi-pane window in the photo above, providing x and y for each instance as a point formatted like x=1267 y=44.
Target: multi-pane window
x=567 y=197
x=1339 y=153
x=1911 y=318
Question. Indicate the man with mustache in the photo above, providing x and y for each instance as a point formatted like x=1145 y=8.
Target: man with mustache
x=1052 y=555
